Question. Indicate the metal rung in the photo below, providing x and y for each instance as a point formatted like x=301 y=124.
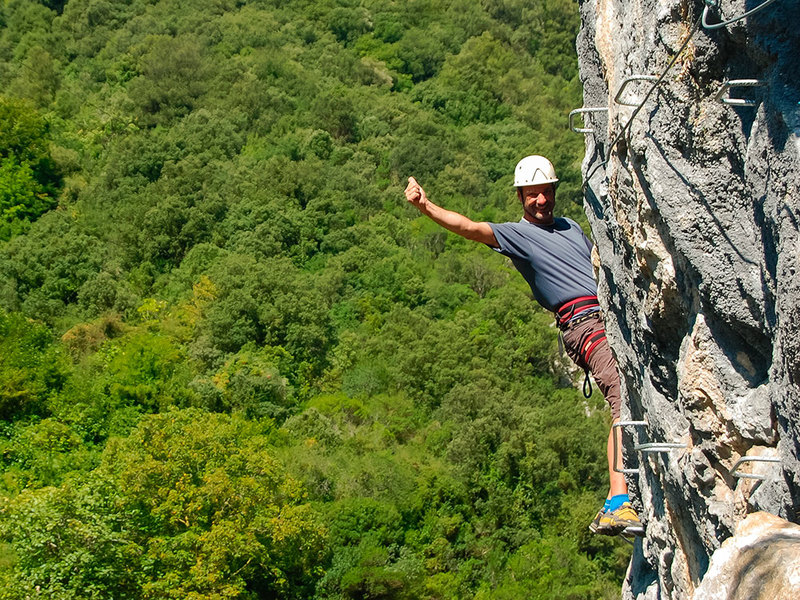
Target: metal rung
x=620 y=424
x=720 y=97
x=744 y=459
x=715 y=4
x=631 y=531
x=626 y=81
x=581 y=111
x=649 y=447
x=659 y=447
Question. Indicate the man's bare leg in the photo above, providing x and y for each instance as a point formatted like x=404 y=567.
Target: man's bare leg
x=617 y=514
x=617 y=480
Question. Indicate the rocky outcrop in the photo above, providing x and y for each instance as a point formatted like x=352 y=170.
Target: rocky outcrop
x=695 y=210
x=761 y=562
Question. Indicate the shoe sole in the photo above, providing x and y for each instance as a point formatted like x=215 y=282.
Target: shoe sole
x=596 y=523
x=617 y=528
x=609 y=531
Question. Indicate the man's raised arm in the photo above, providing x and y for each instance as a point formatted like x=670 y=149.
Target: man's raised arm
x=452 y=221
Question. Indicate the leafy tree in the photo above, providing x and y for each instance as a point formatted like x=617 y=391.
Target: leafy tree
x=172 y=78
x=250 y=382
x=266 y=303
x=333 y=111
x=421 y=52
x=39 y=78
x=28 y=178
x=43 y=453
x=32 y=368
x=69 y=542
x=146 y=370
x=550 y=568
x=348 y=23
x=190 y=505
x=45 y=270
x=22 y=198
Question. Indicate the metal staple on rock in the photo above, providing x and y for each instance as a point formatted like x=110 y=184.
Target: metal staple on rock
x=618 y=425
x=582 y=111
x=649 y=447
x=646 y=97
x=734 y=83
x=766 y=459
x=715 y=4
x=618 y=98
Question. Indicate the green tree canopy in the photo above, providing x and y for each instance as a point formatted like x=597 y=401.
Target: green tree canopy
x=28 y=177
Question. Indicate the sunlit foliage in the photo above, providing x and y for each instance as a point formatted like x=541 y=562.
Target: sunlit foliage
x=233 y=362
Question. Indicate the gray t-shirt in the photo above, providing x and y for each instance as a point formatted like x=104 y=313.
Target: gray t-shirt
x=555 y=260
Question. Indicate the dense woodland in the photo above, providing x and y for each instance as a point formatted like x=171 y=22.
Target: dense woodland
x=234 y=362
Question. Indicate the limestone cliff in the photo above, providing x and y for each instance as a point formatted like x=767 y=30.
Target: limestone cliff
x=695 y=212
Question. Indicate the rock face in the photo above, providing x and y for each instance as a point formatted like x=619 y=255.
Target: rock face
x=761 y=562
x=695 y=210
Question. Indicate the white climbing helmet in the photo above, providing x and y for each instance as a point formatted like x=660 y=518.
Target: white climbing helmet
x=534 y=170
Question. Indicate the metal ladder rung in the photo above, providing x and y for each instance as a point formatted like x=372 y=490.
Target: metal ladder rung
x=659 y=447
x=767 y=459
x=581 y=111
x=621 y=424
x=631 y=532
x=732 y=83
x=649 y=447
x=625 y=82
x=715 y=4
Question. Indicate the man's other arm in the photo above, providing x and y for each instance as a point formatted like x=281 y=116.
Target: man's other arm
x=450 y=220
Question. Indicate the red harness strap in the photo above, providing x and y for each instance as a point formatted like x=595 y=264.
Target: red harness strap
x=585 y=351
x=566 y=311
x=590 y=344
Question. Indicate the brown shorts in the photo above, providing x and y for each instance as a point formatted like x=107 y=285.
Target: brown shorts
x=602 y=363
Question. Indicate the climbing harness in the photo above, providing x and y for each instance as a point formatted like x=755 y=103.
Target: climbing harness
x=570 y=314
x=585 y=350
x=567 y=312
x=590 y=344
x=587 y=384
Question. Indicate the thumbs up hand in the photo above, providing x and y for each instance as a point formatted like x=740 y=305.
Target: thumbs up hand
x=415 y=194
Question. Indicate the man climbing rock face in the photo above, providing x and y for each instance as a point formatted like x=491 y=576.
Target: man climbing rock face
x=554 y=257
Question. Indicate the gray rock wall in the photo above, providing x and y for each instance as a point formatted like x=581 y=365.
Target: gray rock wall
x=695 y=213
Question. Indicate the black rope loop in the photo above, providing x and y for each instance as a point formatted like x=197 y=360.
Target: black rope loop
x=587 y=383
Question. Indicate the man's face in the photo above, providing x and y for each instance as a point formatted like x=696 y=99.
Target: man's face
x=538 y=202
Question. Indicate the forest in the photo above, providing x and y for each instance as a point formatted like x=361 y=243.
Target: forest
x=234 y=362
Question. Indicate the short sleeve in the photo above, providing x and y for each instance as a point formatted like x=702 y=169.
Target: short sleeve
x=510 y=242
x=586 y=240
